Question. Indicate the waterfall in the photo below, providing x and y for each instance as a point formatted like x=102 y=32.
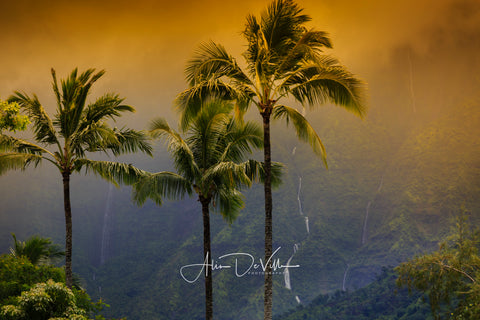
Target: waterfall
x=286 y=273
x=106 y=229
x=365 y=221
x=412 y=92
x=307 y=225
x=345 y=277
x=298 y=196
x=367 y=211
x=293 y=151
x=298 y=299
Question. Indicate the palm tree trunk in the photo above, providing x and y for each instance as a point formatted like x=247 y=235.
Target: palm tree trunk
x=207 y=256
x=68 y=230
x=268 y=295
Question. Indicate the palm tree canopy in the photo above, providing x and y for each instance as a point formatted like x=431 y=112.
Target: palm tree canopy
x=76 y=129
x=210 y=161
x=283 y=59
x=36 y=249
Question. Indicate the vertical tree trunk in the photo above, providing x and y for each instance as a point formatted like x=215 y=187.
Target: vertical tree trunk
x=68 y=229
x=268 y=298
x=208 y=259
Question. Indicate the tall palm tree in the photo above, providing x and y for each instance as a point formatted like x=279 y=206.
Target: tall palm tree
x=76 y=129
x=36 y=249
x=283 y=59
x=210 y=163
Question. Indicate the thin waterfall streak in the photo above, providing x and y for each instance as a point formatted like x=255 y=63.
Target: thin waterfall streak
x=298 y=195
x=412 y=92
x=381 y=184
x=367 y=211
x=286 y=274
x=365 y=221
x=105 y=245
x=345 y=278
x=298 y=299
x=307 y=225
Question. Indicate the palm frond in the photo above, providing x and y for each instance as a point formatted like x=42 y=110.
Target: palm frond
x=226 y=173
x=318 y=84
x=212 y=61
x=42 y=124
x=161 y=184
x=230 y=202
x=182 y=154
x=130 y=141
x=189 y=101
x=13 y=144
x=305 y=131
x=255 y=171
x=36 y=249
x=107 y=106
x=97 y=136
x=17 y=161
x=282 y=24
x=114 y=172
x=241 y=138
x=71 y=99
x=307 y=48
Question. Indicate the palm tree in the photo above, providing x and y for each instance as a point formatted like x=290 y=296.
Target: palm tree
x=283 y=59
x=210 y=163
x=36 y=249
x=76 y=129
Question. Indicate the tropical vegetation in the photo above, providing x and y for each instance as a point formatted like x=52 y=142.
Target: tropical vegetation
x=76 y=130
x=210 y=162
x=30 y=290
x=284 y=59
x=36 y=249
x=10 y=117
x=449 y=276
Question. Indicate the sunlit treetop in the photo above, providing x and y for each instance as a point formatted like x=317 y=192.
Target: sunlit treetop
x=10 y=117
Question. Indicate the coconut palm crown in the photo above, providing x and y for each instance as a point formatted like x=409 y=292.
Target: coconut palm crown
x=283 y=59
x=210 y=163
x=65 y=141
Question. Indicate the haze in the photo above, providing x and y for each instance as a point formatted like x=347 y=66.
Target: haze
x=420 y=46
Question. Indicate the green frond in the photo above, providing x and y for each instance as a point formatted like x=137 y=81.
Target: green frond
x=12 y=144
x=241 y=139
x=212 y=61
x=226 y=174
x=36 y=249
x=114 y=172
x=305 y=131
x=161 y=184
x=97 y=136
x=318 y=84
x=17 y=161
x=42 y=124
x=307 y=48
x=255 y=171
x=230 y=202
x=271 y=39
x=189 y=101
x=182 y=154
x=71 y=99
x=130 y=141
x=107 y=106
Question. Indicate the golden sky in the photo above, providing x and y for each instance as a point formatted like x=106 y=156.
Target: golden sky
x=144 y=44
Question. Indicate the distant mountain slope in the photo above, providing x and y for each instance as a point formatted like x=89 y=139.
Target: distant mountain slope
x=387 y=195
x=381 y=299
